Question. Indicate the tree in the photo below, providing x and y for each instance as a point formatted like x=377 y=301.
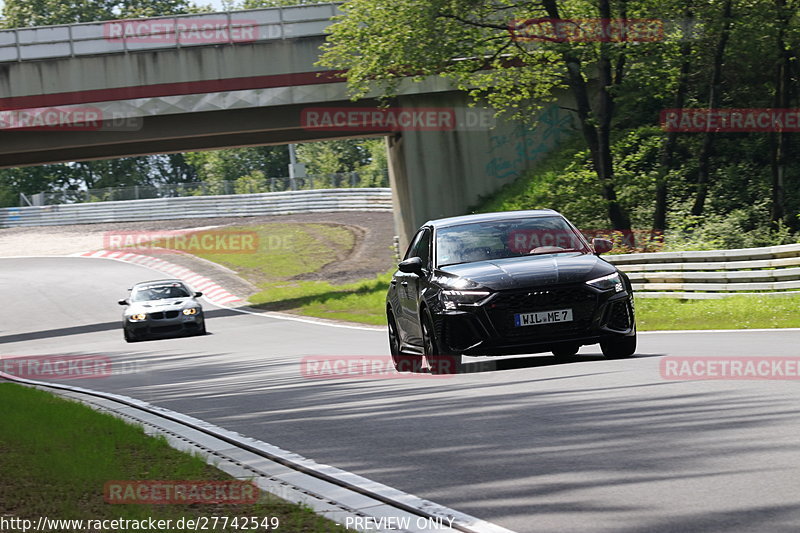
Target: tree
x=28 y=13
x=380 y=42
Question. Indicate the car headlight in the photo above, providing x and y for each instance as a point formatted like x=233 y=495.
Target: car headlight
x=612 y=281
x=190 y=311
x=452 y=299
x=137 y=317
x=455 y=283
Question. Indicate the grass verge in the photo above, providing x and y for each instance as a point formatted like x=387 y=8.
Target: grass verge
x=362 y=301
x=284 y=250
x=736 y=312
x=57 y=455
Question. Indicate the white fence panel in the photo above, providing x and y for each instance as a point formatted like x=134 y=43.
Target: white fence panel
x=239 y=205
x=767 y=271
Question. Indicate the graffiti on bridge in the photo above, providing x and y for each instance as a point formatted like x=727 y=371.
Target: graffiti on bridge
x=529 y=142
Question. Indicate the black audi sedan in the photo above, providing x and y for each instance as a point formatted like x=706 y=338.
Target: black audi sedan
x=506 y=283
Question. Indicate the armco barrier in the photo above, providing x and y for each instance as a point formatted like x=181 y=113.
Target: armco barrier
x=238 y=205
x=768 y=271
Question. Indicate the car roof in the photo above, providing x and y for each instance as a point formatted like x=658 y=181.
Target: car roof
x=157 y=282
x=490 y=217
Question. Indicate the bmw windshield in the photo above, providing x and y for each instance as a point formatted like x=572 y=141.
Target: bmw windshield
x=159 y=293
x=479 y=241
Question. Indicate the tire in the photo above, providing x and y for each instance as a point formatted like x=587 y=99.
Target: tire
x=128 y=336
x=619 y=348
x=202 y=329
x=402 y=362
x=439 y=362
x=566 y=352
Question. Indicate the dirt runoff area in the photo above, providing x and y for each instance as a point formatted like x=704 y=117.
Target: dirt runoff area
x=372 y=254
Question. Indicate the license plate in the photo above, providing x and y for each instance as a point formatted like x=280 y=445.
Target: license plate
x=543 y=317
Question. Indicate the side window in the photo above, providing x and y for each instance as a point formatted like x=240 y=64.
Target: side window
x=424 y=248
x=421 y=247
x=412 y=248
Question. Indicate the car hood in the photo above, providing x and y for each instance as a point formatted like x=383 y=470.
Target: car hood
x=537 y=270
x=153 y=306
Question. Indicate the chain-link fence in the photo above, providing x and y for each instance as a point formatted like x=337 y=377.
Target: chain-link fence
x=207 y=188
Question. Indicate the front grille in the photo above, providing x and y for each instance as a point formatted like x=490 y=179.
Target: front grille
x=505 y=305
x=160 y=315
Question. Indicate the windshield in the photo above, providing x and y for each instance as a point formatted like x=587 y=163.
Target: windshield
x=480 y=241
x=160 y=292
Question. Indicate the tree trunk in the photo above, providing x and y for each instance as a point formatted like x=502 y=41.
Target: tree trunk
x=597 y=137
x=707 y=149
x=779 y=140
x=668 y=148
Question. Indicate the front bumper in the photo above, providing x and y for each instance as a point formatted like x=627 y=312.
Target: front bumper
x=165 y=327
x=490 y=329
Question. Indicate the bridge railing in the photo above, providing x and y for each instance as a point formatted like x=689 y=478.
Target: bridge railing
x=276 y=203
x=767 y=271
x=197 y=29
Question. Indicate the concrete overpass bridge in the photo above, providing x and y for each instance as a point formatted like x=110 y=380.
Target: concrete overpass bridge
x=245 y=78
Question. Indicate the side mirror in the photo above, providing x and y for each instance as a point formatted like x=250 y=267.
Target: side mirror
x=602 y=246
x=122 y=302
x=198 y=294
x=411 y=266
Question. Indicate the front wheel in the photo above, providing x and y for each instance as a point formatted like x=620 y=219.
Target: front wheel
x=438 y=362
x=619 y=348
x=402 y=362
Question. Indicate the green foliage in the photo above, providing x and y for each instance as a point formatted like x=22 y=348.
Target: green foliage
x=233 y=163
x=738 y=206
x=28 y=13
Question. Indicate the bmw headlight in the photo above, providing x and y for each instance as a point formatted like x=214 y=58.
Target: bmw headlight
x=137 y=317
x=612 y=281
x=190 y=311
x=452 y=299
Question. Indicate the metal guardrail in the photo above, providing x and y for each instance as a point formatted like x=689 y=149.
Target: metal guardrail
x=767 y=271
x=278 y=203
x=197 y=29
x=342 y=180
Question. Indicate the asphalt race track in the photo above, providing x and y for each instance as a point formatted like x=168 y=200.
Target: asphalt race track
x=593 y=445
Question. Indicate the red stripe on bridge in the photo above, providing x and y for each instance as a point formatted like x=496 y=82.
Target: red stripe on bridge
x=172 y=89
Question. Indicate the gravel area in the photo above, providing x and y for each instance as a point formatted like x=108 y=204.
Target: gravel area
x=373 y=253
